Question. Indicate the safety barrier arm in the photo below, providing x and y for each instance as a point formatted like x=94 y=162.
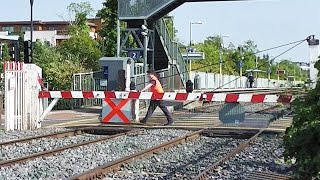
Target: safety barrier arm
x=169 y=96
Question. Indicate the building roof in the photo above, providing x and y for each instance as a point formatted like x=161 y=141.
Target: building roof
x=41 y=22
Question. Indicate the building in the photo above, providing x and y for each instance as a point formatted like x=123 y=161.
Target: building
x=303 y=65
x=47 y=31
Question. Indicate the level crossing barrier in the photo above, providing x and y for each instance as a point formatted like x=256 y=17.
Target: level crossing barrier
x=169 y=96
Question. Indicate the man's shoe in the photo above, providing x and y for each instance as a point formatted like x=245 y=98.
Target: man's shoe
x=168 y=123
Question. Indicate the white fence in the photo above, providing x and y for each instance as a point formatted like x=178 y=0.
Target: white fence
x=22 y=105
x=212 y=81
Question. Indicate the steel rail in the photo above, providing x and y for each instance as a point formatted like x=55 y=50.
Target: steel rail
x=53 y=135
x=267 y=176
x=54 y=151
x=203 y=175
x=116 y=165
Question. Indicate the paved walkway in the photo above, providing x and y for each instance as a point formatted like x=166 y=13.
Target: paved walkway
x=84 y=113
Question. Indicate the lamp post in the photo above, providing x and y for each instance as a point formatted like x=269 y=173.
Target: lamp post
x=220 y=59
x=31 y=30
x=145 y=34
x=190 y=44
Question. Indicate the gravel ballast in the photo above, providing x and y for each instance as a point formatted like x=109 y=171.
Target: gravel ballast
x=74 y=161
x=184 y=161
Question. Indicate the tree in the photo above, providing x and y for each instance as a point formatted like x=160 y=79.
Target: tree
x=57 y=68
x=81 y=11
x=5 y=53
x=108 y=32
x=80 y=44
x=301 y=139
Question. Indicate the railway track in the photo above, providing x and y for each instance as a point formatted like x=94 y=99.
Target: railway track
x=116 y=165
x=52 y=135
x=121 y=168
x=64 y=162
x=203 y=175
x=57 y=150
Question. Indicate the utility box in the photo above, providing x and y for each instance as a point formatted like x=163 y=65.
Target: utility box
x=117 y=73
x=114 y=71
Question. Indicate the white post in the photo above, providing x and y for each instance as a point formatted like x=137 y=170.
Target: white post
x=314 y=57
x=128 y=75
x=9 y=95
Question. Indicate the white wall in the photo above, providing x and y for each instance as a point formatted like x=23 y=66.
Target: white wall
x=211 y=81
x=43 y=36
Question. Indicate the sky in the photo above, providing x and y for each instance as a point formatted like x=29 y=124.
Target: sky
x=268 y=23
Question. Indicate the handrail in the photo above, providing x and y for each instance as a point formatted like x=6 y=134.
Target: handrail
x=172 y=49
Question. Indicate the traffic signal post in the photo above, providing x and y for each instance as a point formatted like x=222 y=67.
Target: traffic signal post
x=27 y=51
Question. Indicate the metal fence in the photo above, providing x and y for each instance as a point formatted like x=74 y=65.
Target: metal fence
x=169 y=78
x=86 y=82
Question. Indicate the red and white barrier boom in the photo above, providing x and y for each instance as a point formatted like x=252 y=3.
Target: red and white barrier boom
x=168 y=96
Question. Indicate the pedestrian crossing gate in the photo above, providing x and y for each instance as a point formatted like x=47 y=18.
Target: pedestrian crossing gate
x=22 y=104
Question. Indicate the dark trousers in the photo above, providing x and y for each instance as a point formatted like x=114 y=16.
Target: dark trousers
x=153 y=105
x=251 y=83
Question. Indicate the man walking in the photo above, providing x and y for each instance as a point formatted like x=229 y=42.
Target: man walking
x=155 y=86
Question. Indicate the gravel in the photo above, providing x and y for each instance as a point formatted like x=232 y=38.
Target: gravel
x=180 y=162
x=13 y=135
x=264 y=155
x=44 y=144
x=74 y=161
x=187 y=160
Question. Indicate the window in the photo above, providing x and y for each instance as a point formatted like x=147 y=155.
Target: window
x=25 y=28
x=52 y=28
x=10 y=29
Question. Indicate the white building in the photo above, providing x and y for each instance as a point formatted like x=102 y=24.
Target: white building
x=52 y=37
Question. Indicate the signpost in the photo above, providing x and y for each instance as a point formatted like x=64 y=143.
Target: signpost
x=135 y=55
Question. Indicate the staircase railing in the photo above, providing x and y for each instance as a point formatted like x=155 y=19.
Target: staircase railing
x=172 y=49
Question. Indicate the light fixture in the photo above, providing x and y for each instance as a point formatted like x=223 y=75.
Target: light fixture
x=144 y=33
x=144 y=27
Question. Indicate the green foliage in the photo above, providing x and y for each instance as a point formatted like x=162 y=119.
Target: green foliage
x=231 y=57
x=81 y=11
x=108 y=33
x=84 y=48
x=302 y=140
x=80 y=44
x=57 y=68
x=5 y=53
x=168 y=20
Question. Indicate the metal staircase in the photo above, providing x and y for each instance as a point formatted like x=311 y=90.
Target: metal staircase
x=159 y=49
x=170 y=49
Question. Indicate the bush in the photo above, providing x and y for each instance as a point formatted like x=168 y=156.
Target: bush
x=302 y=138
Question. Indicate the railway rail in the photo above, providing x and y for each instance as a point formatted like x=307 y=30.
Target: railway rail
x=52 y=135
x=116 y=165
x=57 y=150
x=203 y=175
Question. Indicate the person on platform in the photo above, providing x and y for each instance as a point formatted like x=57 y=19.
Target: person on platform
x=251 y=80
x=156 y=87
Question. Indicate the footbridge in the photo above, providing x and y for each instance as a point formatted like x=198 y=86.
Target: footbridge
x=146 y=36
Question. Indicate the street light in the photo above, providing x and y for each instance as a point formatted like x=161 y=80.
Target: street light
x=220 y=55
x=240 y=49
x=145 y=34
x=31 y=29
x=190 y=44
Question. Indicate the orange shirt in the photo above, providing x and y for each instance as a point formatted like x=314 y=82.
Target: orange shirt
x=156 y=85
